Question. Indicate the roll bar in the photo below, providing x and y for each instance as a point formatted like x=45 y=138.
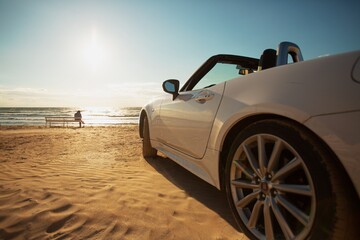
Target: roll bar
x=283 y=51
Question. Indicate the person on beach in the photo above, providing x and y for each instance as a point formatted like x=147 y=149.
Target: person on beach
x=78 y=117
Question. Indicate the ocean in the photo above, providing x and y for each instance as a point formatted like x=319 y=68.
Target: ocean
x=92 y=116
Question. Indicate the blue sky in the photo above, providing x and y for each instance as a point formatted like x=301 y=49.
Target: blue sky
x=118 y=53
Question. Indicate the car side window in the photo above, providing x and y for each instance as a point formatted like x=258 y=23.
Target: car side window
x=221 y=72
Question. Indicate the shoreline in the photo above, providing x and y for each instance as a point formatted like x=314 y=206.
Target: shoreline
x=15 y=127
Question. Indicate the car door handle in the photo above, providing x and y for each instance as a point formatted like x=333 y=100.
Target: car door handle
x=204 y=96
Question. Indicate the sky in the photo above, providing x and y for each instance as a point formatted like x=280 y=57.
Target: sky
x=74 y=53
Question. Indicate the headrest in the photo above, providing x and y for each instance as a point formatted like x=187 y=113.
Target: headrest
x=268 y=59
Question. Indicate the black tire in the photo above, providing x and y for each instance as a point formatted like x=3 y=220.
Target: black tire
x=147 y=149
x=260 y=185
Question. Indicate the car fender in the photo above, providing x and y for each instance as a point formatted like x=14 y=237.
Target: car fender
x=152 y=112
x=227 y=118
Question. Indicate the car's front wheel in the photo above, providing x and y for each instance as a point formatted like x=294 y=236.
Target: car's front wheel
x=278 y=181
x=147 y=149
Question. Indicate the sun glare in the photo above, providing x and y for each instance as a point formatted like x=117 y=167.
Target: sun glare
x=94 y=52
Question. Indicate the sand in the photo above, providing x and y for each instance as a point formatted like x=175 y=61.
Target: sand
x=93 y=183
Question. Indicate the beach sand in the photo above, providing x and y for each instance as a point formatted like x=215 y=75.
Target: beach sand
x=93 y=183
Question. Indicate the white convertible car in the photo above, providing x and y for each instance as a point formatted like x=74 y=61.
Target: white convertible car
x=281 y=139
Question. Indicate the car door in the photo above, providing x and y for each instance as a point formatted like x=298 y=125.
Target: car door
x=186 y=121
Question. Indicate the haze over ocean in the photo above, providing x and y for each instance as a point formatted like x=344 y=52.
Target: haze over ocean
x=18 y=116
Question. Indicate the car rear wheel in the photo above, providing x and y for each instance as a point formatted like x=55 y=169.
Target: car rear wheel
x=147 y=149
x=279 y=183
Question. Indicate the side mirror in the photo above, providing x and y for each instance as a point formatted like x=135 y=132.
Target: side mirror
x=171 y=86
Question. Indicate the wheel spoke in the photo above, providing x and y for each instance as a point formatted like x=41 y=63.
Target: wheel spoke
x=292 y=188
x=244 y=184
x=254 y=214
x=243 y=168
x=287 y=169
x=252 y=160
x=262 y=155
x=246 y=200
x=297 y=213
x=281 y=220
x=274 y=158
x=269 y=232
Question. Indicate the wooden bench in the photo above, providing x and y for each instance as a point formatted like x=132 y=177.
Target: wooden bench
x=63 y=120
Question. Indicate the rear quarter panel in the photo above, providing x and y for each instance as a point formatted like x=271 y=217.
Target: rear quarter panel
x=296 y=91
x=341 y=132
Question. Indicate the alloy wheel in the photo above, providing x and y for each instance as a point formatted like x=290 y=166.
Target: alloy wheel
x=272 y=189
